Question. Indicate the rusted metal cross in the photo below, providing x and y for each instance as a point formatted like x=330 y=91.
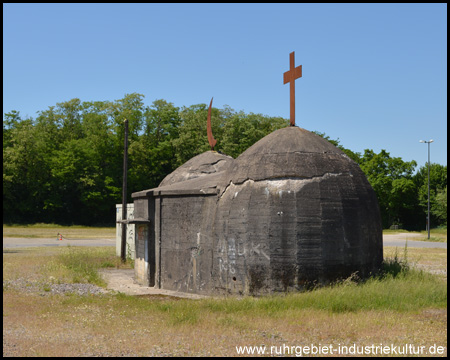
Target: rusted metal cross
x=211 y=140
x=289 y=77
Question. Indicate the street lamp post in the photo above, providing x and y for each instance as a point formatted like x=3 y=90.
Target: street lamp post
x=428 y=217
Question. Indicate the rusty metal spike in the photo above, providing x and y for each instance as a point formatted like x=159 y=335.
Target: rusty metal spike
x=211 y=140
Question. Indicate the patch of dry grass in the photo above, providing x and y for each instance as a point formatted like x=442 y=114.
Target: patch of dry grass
x=61 y=264
x=106 y=326
x=120 y=325
x=438 y=235
x=431 y=259
x=51 y=230
x=30 y=263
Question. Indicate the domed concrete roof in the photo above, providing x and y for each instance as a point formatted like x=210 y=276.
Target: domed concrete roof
x=203 y=174
x=295 y=139
x=207 y=163
x=289 y=152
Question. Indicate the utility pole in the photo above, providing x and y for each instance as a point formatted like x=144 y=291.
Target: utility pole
x=124 y=195
x=428 y=217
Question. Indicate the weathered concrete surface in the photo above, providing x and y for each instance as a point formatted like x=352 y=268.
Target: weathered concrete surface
x=199 y=176
x=291 y=211
x=295 y=210
x=122 y=280
x=180 y=211
x=290 y=152
x=207 y=163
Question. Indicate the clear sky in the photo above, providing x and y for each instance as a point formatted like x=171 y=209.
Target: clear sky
x=374 y=75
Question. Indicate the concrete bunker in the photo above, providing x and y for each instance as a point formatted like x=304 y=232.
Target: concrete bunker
x=174 y=249
x=290 y=211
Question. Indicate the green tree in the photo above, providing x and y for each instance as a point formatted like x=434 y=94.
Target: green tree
x=391 y=179
x=153 y=155
x=439 y=207
x=10 y=122
x=66 y=166
x=192 y=139
x=23 y=168
x=100 y=178
x=240 y=130
x=438 y=182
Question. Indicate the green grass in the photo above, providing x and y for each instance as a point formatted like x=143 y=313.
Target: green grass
x=70 y=264
x=414 y=290
x=83 y=264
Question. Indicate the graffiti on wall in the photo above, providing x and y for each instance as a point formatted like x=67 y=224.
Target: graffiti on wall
x=130 y=247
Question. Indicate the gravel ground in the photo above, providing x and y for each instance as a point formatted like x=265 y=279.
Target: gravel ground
x=48 y=288
x=43 y=289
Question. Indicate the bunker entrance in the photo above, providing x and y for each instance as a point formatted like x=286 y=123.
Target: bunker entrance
x=144 y=238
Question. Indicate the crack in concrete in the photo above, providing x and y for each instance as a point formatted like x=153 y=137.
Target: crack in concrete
x=295 y=183
x=215 y=162
x=205 y=168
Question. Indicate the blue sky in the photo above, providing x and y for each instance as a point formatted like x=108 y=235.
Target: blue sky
x=374 y=75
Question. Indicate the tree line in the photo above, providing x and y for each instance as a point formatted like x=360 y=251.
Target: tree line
x=65 y=166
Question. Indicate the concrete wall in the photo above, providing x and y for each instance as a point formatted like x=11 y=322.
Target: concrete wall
x=186 y=252
x=141 y=264
x=130 y=247
x=278 y=235
x=144 y=264
x=259 y=237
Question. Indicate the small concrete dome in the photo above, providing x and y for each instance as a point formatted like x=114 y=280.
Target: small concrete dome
x=294 y=210
x=207 y=163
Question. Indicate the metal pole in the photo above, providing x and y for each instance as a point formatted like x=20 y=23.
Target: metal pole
x=428 y=215
x=429 y=223
x=124 y=195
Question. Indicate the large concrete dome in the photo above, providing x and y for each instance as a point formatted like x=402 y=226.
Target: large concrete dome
x=293 y=210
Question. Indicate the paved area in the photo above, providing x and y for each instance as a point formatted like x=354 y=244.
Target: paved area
x=388 y=240
x=401 y=239
x=122 y=280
